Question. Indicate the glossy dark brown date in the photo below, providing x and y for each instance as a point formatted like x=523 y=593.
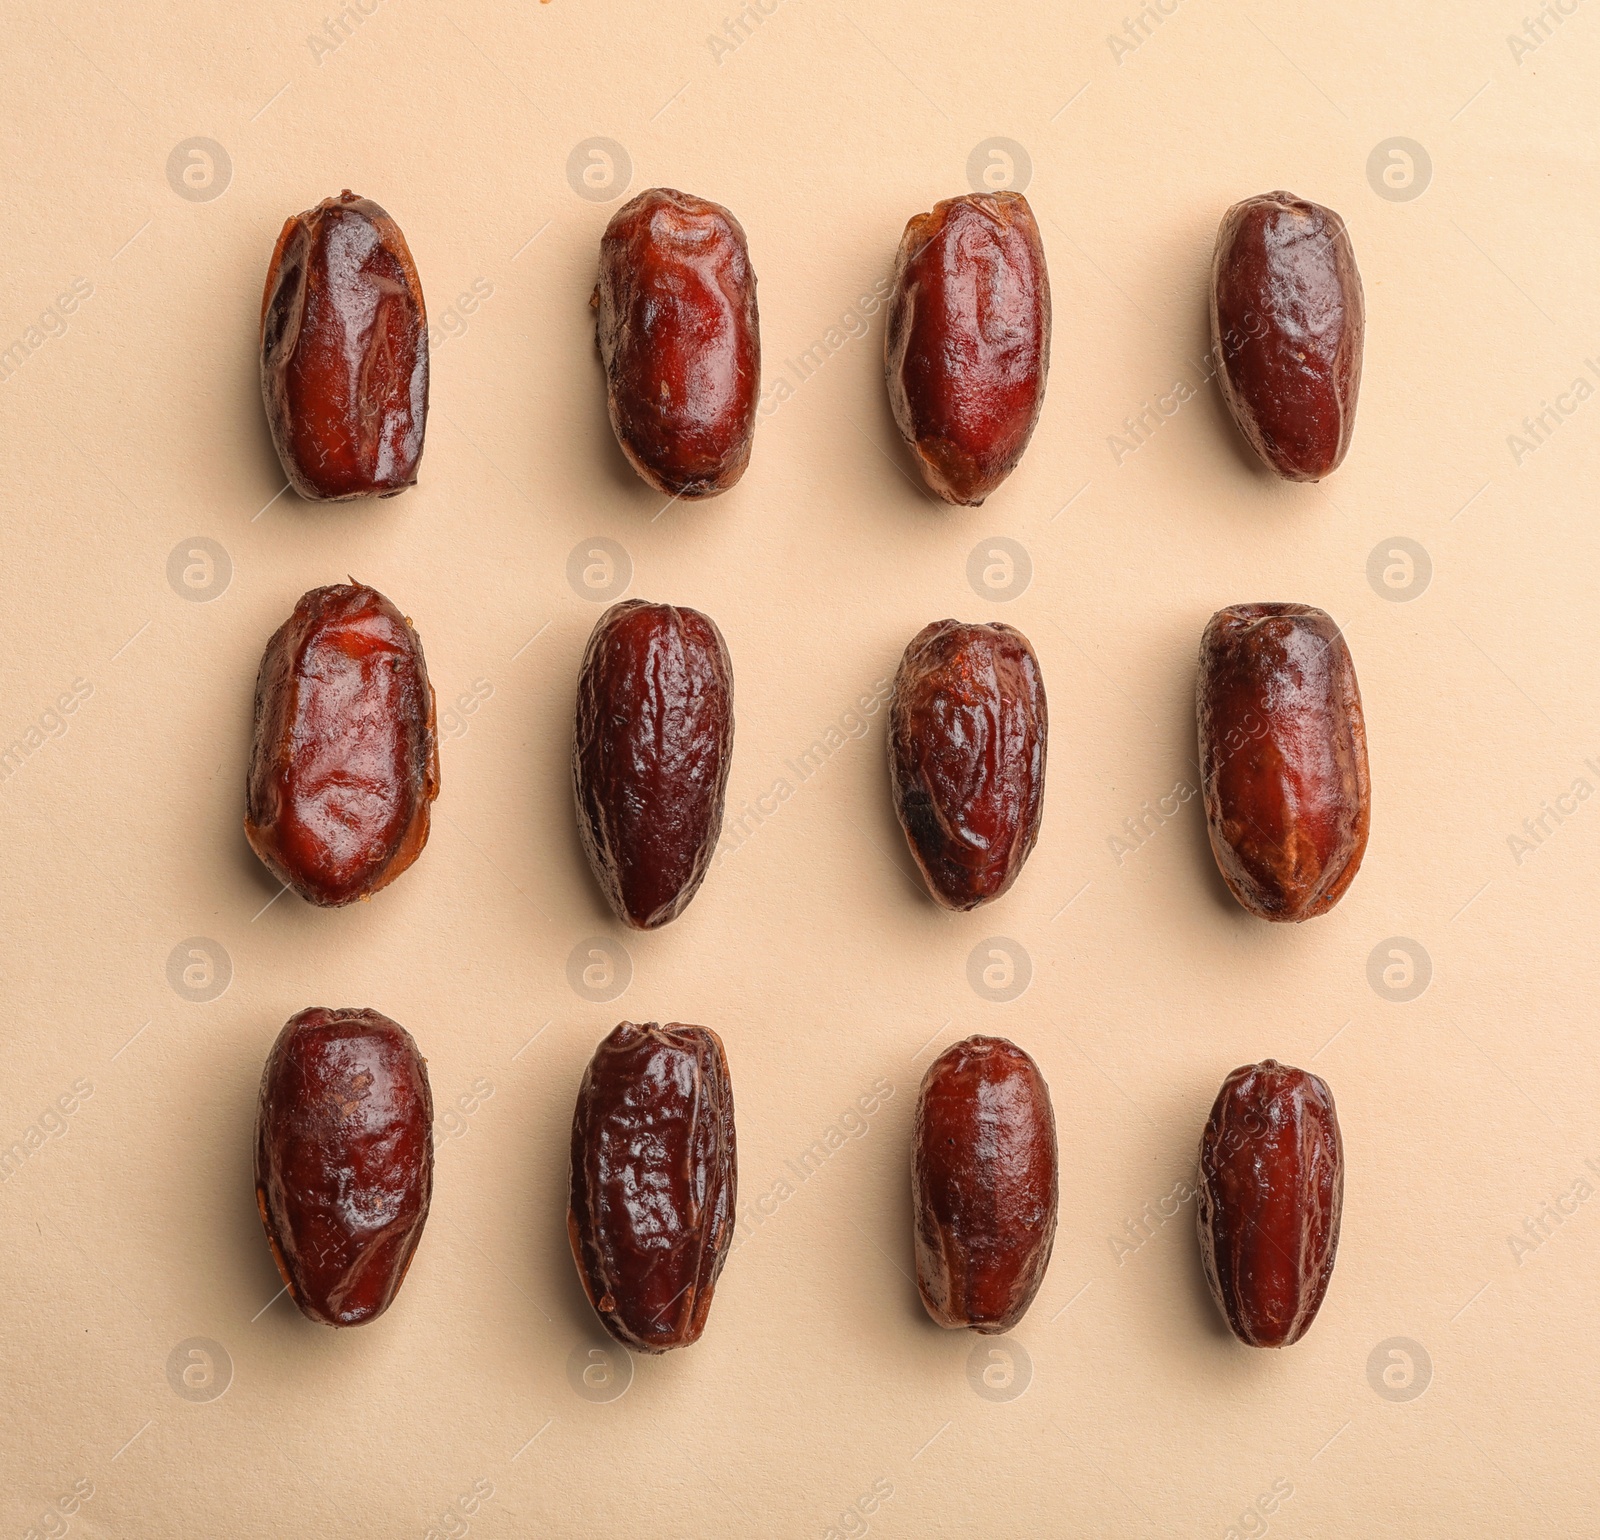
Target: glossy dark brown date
x=984 y=1184
x=1271 y=1193
x=651 y=749
x=1283 y=758
x=344 y=763
x=967 y=347
x=344 y=352
x=1287 y=326
x=654 y=1179
x=680 y=339
x=344 y=1160
x=968 y=726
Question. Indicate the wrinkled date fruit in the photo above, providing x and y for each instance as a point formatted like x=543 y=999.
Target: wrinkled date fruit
x=1271 y=1191
x=344 y=1160
x=680 y=340
x=345 y=759
x=653 y=1182
x=1283 y=758
x=1287 y=318
x=344 y=352
x=983 y=1184
x=967 y=731
x=651 y=750
x=967 y=347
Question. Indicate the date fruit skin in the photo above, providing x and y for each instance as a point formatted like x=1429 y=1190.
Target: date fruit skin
x=344 y=1160
x=680 y=339
x=1283 y=758
x=654 y=1181
x=1287 y=326
x=344 y=352
x=652 y=743
x=344 y=765
x=984 y=1184
x=968 y=725
x=967 y=346
x=1270 y=1198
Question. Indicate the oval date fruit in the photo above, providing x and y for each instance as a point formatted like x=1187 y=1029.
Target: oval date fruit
x=651 y=750
x=967 y=734
x=345 y=760
x=654 y=1181
x=344 y=1160
x=680 y=339
x=344 y=352
x=983 y=1184
x=967 y=347
x=1271 y=1192
x=1287 y=323
x=1283 y=758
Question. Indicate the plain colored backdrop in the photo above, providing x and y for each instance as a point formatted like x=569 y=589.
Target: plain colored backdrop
x=145 y=557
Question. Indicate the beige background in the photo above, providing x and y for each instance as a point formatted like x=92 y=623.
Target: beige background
x=134 y=430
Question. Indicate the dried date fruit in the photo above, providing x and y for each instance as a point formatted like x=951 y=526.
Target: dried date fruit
x=654 y=1180
x=967 y=346
x=680 y=339
x=967 y=735
x=983 y=1184
x=344 y=1160
x=1271 y=1192
x=651 y=748
x=344 y=352
x=344 y=765
x=1287 y=324
x=1283 y=758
